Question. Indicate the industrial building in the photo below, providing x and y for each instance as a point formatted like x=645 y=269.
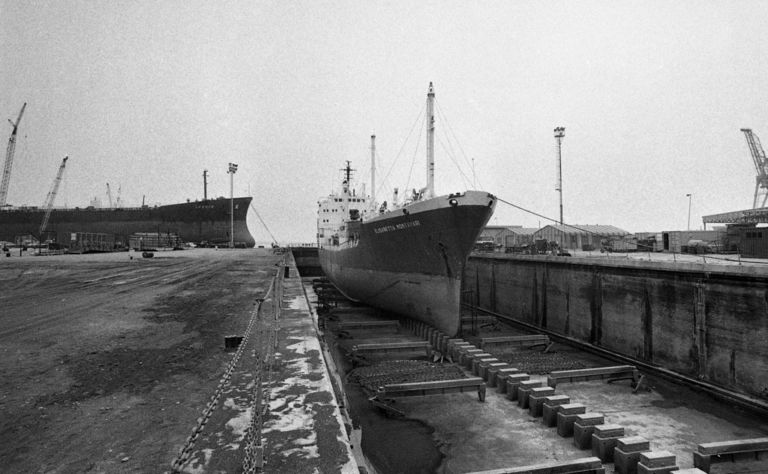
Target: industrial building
x=695 y=241
x=579 y=237
x=744 y=231
x=508 y=236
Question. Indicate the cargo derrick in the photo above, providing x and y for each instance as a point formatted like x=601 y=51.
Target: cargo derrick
x=9 y=158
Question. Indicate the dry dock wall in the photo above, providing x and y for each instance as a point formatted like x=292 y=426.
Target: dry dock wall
x=705 y=321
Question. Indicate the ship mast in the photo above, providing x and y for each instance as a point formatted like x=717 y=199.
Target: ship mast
x=347 y=178
x=373 y=171
x=430 y=189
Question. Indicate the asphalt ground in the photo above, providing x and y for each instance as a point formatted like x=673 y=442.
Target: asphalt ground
x=108 y=361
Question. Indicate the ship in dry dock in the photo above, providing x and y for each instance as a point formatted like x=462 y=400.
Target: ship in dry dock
x=406 y=257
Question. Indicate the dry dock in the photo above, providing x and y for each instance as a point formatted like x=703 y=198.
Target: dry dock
x=502 y=432
x=118 y=364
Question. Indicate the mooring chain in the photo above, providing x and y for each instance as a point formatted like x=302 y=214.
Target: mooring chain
x=269 y=362
x=254 y=450
x=273 y=341
x=186 y=451
x=272 y=344
x=254 y=457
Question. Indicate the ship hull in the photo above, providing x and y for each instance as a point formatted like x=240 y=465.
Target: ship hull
x=411 y=262
x=201 y=221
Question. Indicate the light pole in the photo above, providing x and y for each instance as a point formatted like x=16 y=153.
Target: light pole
x=231 y=172
x=559 y=135
x=689 y=211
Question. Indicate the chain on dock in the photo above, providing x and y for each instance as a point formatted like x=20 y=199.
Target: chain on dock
x=255 y=448
x=186 y=451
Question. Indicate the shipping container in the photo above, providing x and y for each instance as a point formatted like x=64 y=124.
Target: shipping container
x=675 y=240
x=754 y=242
x=87 y=242
x=154 y=241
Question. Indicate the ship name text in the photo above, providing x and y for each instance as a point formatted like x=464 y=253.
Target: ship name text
x=400 y=226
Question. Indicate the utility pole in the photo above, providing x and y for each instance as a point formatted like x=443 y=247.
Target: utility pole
x=232 y=171
x=689 y=211
x=205 y=184
x=559 y=135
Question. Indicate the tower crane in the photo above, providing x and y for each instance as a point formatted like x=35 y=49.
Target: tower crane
x=9 y=157
x=761 y=165
x=52 y=195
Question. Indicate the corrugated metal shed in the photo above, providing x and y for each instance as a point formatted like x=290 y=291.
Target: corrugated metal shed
x=578 y=236
x=607 y=230
x=508 y=235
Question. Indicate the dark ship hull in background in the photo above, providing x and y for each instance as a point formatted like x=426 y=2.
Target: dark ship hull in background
x=197 y=222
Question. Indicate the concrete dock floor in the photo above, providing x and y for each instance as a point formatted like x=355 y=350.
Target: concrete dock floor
x=476 y=436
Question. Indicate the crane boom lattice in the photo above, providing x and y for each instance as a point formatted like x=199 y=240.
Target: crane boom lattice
x=52 y=195
x=761 y=166
x=109 y=197
x=9 y=158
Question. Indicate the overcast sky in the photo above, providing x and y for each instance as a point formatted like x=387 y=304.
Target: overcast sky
x=146 y=95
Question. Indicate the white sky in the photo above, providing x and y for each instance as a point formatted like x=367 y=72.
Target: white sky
x=145 y=95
